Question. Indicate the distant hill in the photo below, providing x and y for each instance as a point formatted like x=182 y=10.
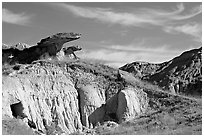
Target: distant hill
x=181 y=75
x=19 y=46
x=4 y=46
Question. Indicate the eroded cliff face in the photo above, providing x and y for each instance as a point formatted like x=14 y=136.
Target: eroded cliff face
x=68 y=97
x=181 y=75
x=47 y=96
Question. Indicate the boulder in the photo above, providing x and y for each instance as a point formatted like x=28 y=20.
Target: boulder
x=131 y=103
x=126 y=104
x=92 y=108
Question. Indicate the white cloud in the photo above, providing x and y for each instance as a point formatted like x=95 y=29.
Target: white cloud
x=171 y=21
x=177 y=14
x=192 y=29
x=107 y=55
x=106 y=15
x=15 y=18
x=141 y=48
x=117 y=55
x=140 y=17
x=191 y=13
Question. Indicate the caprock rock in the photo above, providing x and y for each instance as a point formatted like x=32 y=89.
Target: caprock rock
x=46 y=48
x=181 y=75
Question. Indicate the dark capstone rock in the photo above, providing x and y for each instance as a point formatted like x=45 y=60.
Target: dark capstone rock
x=49 y=46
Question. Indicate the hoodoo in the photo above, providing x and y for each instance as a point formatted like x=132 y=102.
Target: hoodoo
x=47 y=47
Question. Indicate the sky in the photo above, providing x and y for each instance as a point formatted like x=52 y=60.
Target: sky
x=112 y=32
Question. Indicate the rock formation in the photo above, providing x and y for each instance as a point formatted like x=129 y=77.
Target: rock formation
x=130 y=104
x=49 y=46
x=91 y=105
x=5 y=46
x=70 y=50
x=141 y=69
x=66 y=98
x=55 y=97
x=20 y=46
x=67 y=52
x=181 y=75
x=47 y=97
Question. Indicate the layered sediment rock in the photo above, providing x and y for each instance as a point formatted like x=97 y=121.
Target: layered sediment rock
x=47 y=96
x=64 y=98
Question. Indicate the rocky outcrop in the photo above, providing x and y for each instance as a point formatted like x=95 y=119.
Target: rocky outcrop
x=19 y=46
x=47 y=97
x=141 y=69
x=184 y=73
x=67 y=97
x=67 y=52
x=5 y=46
x=181 y=75
x=91 y=101
x=131 y=103
x=46 y=48
x=59 y=39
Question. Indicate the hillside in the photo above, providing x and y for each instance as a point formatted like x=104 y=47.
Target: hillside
x=43 y=96
x=167 y=114
x=47 y=92
x=181 y=75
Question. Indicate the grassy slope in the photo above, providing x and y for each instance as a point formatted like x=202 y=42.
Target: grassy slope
x=167 y=114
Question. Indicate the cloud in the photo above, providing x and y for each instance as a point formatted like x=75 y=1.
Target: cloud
x=105 y=15
x=191 y=13
x=178 y=14
x=172 y=21
x=141 y=48
x=15 y=18
x=118 y=55
x=192 y=29
x=140 y=17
